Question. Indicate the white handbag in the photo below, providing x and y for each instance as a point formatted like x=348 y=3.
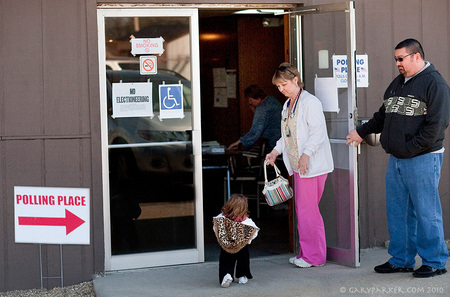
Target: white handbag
x=277 y=190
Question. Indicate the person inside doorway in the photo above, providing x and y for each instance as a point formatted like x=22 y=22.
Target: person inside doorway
x=412 y=121
x=266 y=119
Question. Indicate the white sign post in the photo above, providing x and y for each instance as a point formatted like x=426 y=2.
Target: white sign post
x=51 y=215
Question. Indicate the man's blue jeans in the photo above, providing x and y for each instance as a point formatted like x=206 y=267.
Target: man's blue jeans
x=414 y=211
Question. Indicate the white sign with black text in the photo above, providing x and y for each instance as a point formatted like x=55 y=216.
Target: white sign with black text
x=132 y=100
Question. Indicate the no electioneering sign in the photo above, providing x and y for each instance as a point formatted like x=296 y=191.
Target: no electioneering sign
x=51 y=215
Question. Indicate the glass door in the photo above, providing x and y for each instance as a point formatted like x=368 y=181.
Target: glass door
x=149 y=82
x=319 y=35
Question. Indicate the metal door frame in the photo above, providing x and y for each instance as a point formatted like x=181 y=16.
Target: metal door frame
x=141 y=260
x=352 y=257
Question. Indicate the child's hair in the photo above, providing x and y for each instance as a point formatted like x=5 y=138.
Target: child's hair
x=236 y=207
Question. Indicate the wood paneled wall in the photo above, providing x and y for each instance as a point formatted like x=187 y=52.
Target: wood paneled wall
x=49 y=129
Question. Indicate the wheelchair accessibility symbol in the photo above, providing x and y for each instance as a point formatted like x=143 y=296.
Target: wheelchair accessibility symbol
x=171 y=96
x=171 y=101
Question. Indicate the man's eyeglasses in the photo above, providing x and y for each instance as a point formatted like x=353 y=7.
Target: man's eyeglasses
x=402 y=58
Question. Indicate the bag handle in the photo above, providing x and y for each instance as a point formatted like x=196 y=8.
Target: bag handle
x=277 y=171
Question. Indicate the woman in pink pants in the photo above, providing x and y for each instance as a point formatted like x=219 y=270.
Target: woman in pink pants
x=307 y=155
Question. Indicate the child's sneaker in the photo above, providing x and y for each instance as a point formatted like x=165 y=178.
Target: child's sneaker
x=243 y=280
x=226 y=282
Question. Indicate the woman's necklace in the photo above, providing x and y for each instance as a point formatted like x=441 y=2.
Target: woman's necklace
x=292 y=113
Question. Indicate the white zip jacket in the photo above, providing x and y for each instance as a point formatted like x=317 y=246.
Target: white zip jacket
x=312 y=137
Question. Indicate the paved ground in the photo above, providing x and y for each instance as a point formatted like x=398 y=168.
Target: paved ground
x=273 y=276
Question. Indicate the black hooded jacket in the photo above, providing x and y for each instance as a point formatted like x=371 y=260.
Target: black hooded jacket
x=414 y=115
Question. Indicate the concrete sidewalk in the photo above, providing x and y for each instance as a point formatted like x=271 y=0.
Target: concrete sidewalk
x=273 y=276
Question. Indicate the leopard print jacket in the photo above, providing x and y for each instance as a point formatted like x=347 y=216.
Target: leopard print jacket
x=232 y=236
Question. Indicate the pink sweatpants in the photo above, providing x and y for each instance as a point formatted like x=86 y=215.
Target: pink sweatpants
x=311 y=230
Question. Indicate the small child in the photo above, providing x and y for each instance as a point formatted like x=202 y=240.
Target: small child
x=234 y=231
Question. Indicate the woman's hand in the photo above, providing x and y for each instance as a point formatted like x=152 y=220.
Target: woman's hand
x=271 y=157
x=303 y=164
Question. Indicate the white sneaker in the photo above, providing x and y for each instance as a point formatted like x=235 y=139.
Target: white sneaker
x=292 y=259
x=243 y=280
x=226 y=282
x=303 y=264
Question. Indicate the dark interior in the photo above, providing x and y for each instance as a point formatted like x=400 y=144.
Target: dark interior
x=244 y=44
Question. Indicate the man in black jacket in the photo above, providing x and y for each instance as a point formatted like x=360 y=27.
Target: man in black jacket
x=412 y=122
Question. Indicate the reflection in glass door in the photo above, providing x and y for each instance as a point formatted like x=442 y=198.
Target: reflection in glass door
x=318 y=33
x=152 y=169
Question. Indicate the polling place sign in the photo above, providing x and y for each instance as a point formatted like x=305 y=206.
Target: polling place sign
x=340 y=71
x=51 y=215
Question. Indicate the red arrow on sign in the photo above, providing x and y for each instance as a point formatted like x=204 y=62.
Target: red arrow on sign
x=71 y=221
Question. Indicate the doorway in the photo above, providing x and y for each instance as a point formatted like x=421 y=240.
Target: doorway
x=212 y=55
x=316 y=36
x=247 y=46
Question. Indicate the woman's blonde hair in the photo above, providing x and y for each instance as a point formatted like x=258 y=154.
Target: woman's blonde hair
x=286 y=72
x=236 y=207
